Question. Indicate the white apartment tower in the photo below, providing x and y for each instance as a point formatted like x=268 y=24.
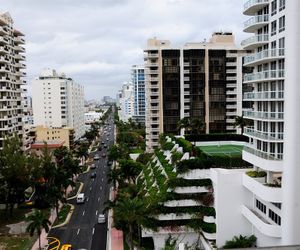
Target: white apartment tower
x=198 y=81
x=58 y=101
x=126 y=101
x=11 y=74
x=274 y=208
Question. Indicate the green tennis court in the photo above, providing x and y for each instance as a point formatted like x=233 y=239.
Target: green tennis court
x=221 y=150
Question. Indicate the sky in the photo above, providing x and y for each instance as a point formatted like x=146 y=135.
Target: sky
x=97 y=41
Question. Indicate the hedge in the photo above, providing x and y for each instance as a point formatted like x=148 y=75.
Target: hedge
x=196 y=163
x=186 y=145
x=180 y=182
x=228 y=162
x=209 y=227
x=216 y=137
x=256 y=174
x=202 y=210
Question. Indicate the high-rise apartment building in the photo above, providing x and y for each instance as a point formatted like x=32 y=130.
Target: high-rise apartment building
x=126 y=101
x=273 y=208
x=138 y=80
x=11 y=74
x=199 y=80
x=58 y=101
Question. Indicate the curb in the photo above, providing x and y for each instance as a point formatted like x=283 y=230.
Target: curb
x=68 y=217
x=87 y=170
x=78 y=191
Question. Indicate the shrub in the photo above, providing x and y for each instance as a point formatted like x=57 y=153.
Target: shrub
x=186 y=145
x=216 y=137
x=256 y=174
x=180 y=182
x=167 y=146
x=228 y=162
x=240 y=242
x=196 y=163
x=144 y=158
x=209 y=227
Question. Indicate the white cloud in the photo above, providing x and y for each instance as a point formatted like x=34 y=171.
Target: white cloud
x=97 y=41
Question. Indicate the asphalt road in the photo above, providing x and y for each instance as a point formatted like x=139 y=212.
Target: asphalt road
x=83 y=231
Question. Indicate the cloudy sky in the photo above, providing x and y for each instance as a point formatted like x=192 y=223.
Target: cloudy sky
x=96 y=41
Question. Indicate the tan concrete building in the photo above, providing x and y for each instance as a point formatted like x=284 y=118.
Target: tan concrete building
x=65 y=134
x=199 y=80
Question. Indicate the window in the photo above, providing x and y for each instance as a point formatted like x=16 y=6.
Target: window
x=274 y=217
x=281 y=5
x=274 y=7
x=273 y=28
x=281 y=24
x=261 y=206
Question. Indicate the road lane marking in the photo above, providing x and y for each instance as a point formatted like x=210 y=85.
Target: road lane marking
x=87 y=199
x=102 y=179
x=83 y=213
x=100 y=187
x=90 y=188
x=96 y=212
x=93 y=231
x=98 y=198
x=78 y=231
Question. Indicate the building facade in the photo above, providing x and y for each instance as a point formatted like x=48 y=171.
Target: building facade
x=58 y=101
x=126 y=101
x=199 y=80
x=138 y=80
x=11 y=79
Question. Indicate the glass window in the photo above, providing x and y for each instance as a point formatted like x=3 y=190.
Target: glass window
x=274 y=7
x=273 y=28
x=281 y=5
x=281 y=24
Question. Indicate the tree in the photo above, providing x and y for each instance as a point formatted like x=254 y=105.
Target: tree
x=37 y=222
x=184 y=123
x=197 y=126
x=15 y=172
x=127 y=214
x=113 y=177
x=240 y=122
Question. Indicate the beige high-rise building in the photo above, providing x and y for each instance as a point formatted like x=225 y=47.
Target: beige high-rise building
x=11 y=74
x=200 y=80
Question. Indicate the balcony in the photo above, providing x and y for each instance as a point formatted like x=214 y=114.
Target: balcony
x=3 y=59
x=19 y=40
x=265 y=136
x=270 y=75
x=20 y=57
x=231 y=106
x=263 y=57
x=253 y=6
x=256 y=22
x=19 y=48
x=255 y=41
x=266 y=161
x=257 y=186
x=151 y=55
x=3 y=50
x=153 y=78
x=190 y=190
x=231 y=78
x=3 y=40
x=152 y=64
x=20 y=65
x=262 y=115
x=3 y=31
x=262 y=225
x=266 y=95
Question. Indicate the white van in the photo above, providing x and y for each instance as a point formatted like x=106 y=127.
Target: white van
x=80 y=198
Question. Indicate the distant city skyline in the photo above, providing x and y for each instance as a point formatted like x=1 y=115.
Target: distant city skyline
x=97 y=42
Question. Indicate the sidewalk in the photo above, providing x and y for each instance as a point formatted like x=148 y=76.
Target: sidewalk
x=44 y=241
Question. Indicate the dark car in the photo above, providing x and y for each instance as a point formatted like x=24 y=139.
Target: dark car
x=105 y=146
x=109 y=163
x=100 y=148
x=93 y=175
x=103 y=155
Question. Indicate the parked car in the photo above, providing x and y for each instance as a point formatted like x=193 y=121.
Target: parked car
x=109 y=163
x=96 y=157
x=101 y=218
x=105 y=146
x=103 y=155
x=93 y=166
x=93 y=175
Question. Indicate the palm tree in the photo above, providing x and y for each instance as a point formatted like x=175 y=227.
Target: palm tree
x=38 y=222
x=240 y=122
x=184 y=123
x=128 y=213
x=197 y=125
x=113 y=177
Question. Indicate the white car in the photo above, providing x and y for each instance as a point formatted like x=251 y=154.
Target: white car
x=101 y=218
x=97 y=157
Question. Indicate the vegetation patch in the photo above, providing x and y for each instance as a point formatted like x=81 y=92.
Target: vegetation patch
x=256 y=174
x=74 y=190
x=20 y=242
x=62 y=215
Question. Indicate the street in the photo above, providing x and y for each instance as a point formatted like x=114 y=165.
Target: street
x=83 y=231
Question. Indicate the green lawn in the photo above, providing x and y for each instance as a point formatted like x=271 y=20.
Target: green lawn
x=222 y=150
x=23 y=242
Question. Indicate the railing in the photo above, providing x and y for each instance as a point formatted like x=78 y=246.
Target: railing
x=263 y=55
x=251 y=3
x=264 y=115
x=250 y=131
x=264 y=95
x=264 y=155
x=255 y=39
x=256 y=20
x=264 y=75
